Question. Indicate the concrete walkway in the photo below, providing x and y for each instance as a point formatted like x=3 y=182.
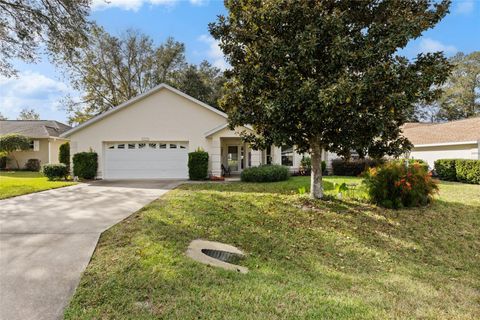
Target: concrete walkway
x=47 y=239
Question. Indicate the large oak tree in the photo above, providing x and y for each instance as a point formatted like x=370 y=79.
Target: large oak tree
x=327 y=74
x=26 y=25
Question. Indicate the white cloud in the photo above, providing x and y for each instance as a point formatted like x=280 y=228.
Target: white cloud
x=464 y=7
x=132 y=5
x=32 y=90
x=198 y=2
x=430 y=45
x=214 y=53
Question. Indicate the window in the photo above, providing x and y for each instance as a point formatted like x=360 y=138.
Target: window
x=141 y=145
x=32 y=145
x=287 y=156
x=183 y=147
x=152 y=145
x=269 y=155
x=131 y=146
x=162 y=145
x=121 y=146
x=111 y=146
x=173 y=146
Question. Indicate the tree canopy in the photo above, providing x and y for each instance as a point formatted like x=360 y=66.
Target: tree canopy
x=25 y=25
x=13 y=142
x=327 y=74
x=28 y=114
x=111 y=70
x=461 y=97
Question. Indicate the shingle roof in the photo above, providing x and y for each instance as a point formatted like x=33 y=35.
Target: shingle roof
x=438 y=133
x=33 y=128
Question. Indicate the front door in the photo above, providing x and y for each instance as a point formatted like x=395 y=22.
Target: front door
x=233 y=158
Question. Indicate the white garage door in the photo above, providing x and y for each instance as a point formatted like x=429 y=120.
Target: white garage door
x=146 y=160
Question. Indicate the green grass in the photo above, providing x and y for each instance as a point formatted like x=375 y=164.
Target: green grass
x=307 y=259
x=16 y=183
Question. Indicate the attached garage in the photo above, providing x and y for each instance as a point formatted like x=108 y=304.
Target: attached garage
x=146 y=160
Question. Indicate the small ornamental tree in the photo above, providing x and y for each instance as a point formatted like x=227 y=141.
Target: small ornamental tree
x=327 y=74
x=14 y=142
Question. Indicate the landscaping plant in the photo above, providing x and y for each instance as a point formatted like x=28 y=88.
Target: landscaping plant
x=32 y=165
x=396 y=185
x=85 y=165
x=353 y=168
x=198 y=165
x=14 y=142
x=468 y=171
x=55 y=171
x=265 y=173
x=64 y=154
x=445 y=169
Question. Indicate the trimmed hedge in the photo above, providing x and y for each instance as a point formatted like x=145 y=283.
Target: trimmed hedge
x=64 y=154
x=32 y=165
x=468 y=171
x=445 y=169
x=85 y=165
x=55 y=171
x=198 y=165
x=463 y=170
x=343 y=167
x=265 y=173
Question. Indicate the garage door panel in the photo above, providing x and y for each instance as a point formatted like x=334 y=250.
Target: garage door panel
x=146 y=162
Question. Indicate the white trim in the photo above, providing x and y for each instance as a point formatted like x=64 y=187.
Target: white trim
x=220 y=128
x=136 y=99
x=444 y=144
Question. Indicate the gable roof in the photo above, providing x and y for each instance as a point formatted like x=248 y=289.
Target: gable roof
x=33 y=128
x=138 y=98
x=453 y=132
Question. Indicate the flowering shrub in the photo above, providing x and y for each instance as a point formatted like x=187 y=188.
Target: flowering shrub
x=397 y=185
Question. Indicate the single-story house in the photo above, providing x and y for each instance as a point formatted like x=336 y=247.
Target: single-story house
x=149 y=137
x=45 y=139
x=450 y=140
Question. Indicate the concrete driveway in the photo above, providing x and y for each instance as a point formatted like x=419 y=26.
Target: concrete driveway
x=47 y=239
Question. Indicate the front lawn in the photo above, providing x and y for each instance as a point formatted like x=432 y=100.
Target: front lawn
x=307 y=259
x=15 y=183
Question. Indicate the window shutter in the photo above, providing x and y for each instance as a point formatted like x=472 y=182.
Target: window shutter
x=36 y=145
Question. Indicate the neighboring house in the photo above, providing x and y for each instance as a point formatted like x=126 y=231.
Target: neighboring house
x=150 y=136
x=450 y=140
x=45 y=135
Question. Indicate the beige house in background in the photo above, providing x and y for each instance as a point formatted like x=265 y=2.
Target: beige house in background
x=149 y=137
x=45 y=143
x=450 y=140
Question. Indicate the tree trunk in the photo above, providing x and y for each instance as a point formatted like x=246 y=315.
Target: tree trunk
x=316 y=187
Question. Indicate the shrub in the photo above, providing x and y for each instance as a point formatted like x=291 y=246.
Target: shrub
x=394 y=185
x=445 y=169
x=85 y=165
x=468 y=171
x=3 y=160
x=265 y=173
x=343 y=167
x=64 y=154
x=198 y=165
x=32 y=165
x=421 y=163
x=55 y=171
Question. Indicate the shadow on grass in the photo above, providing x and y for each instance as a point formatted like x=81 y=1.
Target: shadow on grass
x=314 y=259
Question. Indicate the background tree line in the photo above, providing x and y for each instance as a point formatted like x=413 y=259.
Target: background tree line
x=110 y=70
x=460 y=97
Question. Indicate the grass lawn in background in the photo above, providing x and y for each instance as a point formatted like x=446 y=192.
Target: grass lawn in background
x=15 y=183
x=307 y=259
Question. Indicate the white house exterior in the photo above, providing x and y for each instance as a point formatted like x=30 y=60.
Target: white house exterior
x=451 y=140
x=149 y=137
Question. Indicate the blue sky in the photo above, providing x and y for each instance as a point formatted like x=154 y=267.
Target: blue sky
x=41 y=86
